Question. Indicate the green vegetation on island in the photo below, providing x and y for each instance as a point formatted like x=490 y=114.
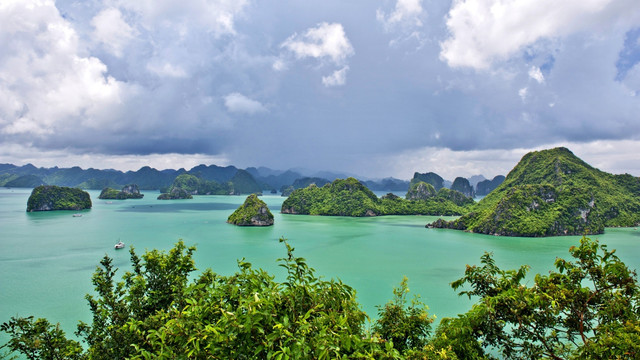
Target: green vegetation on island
x=241 y=183
x=253 y=212
x=462 y=185
x=486 y=186
x=349 y=197
x=587 y=308
x=553 y=192
x=175 y=194
x=430 y=178
x=51 y=197
x=420 y=191
x=130 y=191
x=25 y=181
x=302 y=183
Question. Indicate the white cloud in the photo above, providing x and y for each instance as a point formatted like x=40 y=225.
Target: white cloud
x=613 y=156
x=112 y=31
x=536 y=74
x=324 y=41
x=238 y=103
x=46 y=83
x=407 y=13
x=482 y=31
x=217 y=16
x=338 y=78
x=523 y=93
x=20 y=154
x=167 y=69
x=279 y=65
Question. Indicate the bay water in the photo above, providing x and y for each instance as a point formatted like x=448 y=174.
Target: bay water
x=47 y=258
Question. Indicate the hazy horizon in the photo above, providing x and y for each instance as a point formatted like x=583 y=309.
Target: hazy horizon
x=375 y=88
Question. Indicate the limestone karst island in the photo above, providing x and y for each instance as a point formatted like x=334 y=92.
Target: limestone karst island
x=51 y=197
x=253 y=212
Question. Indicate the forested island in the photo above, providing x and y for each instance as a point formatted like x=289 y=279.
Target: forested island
x=51 y=197
x=185 y=185
x=349 y=197
x=253 y=212
x=553 y=192
x=130 y=191
x=584 y=309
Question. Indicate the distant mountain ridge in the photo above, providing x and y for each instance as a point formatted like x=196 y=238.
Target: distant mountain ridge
x=149 y=178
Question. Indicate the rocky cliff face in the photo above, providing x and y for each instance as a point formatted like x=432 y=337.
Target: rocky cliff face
x=49 y=197
x=462 y=185
x=254 y=212
x=430 y=178
x=130 y=191
x=175 y=194
x=420 y=191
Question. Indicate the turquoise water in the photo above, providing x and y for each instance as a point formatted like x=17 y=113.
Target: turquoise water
x=47 y=258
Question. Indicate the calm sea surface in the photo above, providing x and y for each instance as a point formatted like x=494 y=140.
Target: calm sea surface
x=47 y=258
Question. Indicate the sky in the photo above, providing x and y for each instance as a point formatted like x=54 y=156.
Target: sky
x=371 y=87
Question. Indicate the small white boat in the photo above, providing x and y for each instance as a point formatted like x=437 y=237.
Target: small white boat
x=119 y=245
x=77 y=215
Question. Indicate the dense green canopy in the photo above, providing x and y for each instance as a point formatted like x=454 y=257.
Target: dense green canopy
x=349 y=197
x=587 y=308
x=553 y=192
x=51 y=197
x=253 y=212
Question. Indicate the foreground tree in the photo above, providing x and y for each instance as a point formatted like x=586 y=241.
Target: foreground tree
x=587 y=309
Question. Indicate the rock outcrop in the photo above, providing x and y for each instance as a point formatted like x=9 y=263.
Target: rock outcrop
x=175 y=194
x=50 y=197
x=430 y=178
x=462 y=185
x=254 y=212
x=130 y=191
x=420 y=191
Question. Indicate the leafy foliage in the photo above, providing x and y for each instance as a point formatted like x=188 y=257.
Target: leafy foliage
x=406 y=327
x=39 y=339
x=553 y=192
x=349 y=197
x=51 y=197
x=251 y=213
x=589 y=308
